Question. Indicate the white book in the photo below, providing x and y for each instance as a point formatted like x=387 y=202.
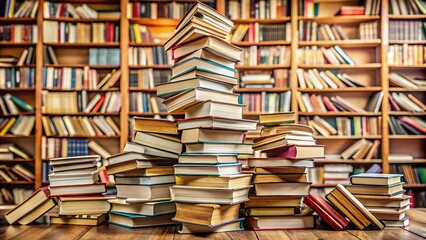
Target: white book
x=108 y=97
x=307 y=102
x=89 y=127
x=92 y=103
x=300 y=78
x=69 y=126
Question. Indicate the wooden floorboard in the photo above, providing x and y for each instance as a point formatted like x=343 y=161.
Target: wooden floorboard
x=417 y=222
x=111 y=231
x=388 y=234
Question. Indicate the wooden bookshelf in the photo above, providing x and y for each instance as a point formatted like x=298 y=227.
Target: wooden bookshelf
x=381 y=70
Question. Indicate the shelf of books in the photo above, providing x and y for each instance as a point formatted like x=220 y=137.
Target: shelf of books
x=75 y=73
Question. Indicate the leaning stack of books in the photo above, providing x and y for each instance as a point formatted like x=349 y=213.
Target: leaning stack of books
x=74 y=181
x=383 y=195
x=143 y=174
x=280 y=180
x=209 y=184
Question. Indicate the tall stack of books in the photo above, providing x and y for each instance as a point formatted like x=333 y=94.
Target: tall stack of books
x=280 y=180
x=74 y=181
x=209 y=184
x=143 y=174
x=383 y=195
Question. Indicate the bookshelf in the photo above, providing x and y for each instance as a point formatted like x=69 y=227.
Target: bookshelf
x=373 y=69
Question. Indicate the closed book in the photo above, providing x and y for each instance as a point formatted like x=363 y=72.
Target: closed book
x=143 y=208
x=159 y=141
x=272 y=211
x=279 y=162
x=220 y=181
x=89 y=189
x=144 y=191
x=166 y=90
x=144 y=180
x=85 y=220
x=282 y=189
x=133 y=149
x=376 y=179
x=273 y=201
x=281 y=222
x=217 y=122
x=218 y=147
x=182 y=66
x=234 y=225
x=75 y=205
x=194 y=194
x=39 y=211
x=136 y=220
x=297 y=151
x=383 y=201
x=215 y=109
x=197 y=135
x=204 y=169
x=276 y=118
x=326 y=212
x=390 y=190
x=162 y=126
x=207 y=158
x=206 y=214
x=138 y=164
x=199 y=72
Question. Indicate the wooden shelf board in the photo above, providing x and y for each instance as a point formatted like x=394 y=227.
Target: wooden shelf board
x=16 y=45
x=402 y=113
x=18 y=20
x=147 y=44
x=83 y=45
x=61 y=65
x=342 y=66
x=399 y=89
x=137 y=114
x=78 y=90
x=391 y=66
x=346 y=137
x=17 y=89
x=343 y=43
x=417 y=42
x=339 y=114
x=255 y=90
x=341 y=19
x=266 y=43
x=150 y=90
x=82 y=20
x=150 y=66
x=155 y=22
x=262 y=21
x=82 y=114
x=326 y=161
x=407 y=17
x=17 y=160
x=16 y=136
x=262 y=67
x=415 y=185
x=91 y=1
x=414 y=161
x=23 y=66
x=407 y=136
x=347 y=89
x=88 y=137
x=18 y=183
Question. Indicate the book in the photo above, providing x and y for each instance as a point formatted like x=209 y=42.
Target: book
x=297 y=151
x=146 y=172
x=207 y=158
x=134 y=149
x=76 y=205
x=217 y=122
x=199 y=135
x=31 y=203
x=265 y=175
x=195 y=194
x=148 y=180
x=206 y=214
x=85 y=220
x=343 y=200
x=383 y=201
x=167 y=90
x=144 y=191
x=147 y=208
x=276 y=118
x=135 y=220
x=234 y=225
x=326 y=212
x=379 y=179
x=77 y=190
x=155 y=125
x=221 y=181
x=158 y=141
x=215 y=109
x=272 y=211
x=135 y=164
x=218 y=147
x=387 y=190
x=273 y=201
x=210 y=170
x=36 y=213
x=279 y=162
x=282 y=189
x=281 y=222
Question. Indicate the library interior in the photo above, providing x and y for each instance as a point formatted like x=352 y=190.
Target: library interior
x=213 y=119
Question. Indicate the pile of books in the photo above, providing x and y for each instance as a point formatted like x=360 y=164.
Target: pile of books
x=383 y=195
x=280 y=180
x=143 y=174
x=209 y=184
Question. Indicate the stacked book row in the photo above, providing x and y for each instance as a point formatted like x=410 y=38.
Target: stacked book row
x=407 y=125
x=68 y=10
x=78 y=78
x=362 y=149
x=147 y=78
x=246 y=9
x=316 y=79
x=405 y=102
x=17 y=9
x=278 y=79
x=407 y=55
x=10 y=104
x=79 y=126
x=9 y=151
x=407 y=30
x=255 y=32
x=345 y=126
x=311 y=31
x=141 y=34
x=412 y=175
x=64 y=32
x=254 y=55
x=15 y=197
x=27 y=57
x=145 y=103
x=333 y=55
x=318 y=103
x=15 y=173
x=332 y=174
x=148 y=56
x=406 y=82
x=18 y=33
x=408 y=7
x=63 y=147
x=266 y=102
x=104 y=56
x=154 y=10
x=21 y=126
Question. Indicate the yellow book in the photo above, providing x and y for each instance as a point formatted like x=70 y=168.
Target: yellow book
x=137 y=33
x=300 y=102
x=8 y=126
x=336 y=203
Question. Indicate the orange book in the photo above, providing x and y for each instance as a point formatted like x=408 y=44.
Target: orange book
x=98 y=105
x=417 y=101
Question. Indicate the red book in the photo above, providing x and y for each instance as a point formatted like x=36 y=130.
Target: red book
x=98 y=105
x=326 y=212
x=393 y=103
x=22 y=175
x=329 y=104
x=296 y=151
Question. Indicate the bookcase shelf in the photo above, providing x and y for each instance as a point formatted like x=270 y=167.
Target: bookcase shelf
x=341 y=19
x=150 y=66
x=417 y=42
x=265 y=43
x=23 y=66
x=17 y=89
x=17 y=115
x=83 y=45
x=262 y=67
x=346 y=89
x=18 y=183
x=342 y=66
x=147 y=44
x=86 y=137
x=408 y=113
x=256 y=90
x=407 y=66
x=16 y=160
x=18 y=20
x=407 y=136
x=82 y=114
x=138 y=114
x=16 y=45
x=333 y=161
x=83 y=20
x=340 y=114
x=83 y=65
x=17 y=136
x=414 y=161
x=345 y=137
x=262 y=21
x=407 y=17
x=398 y=89
x=343 y=43
x=78 y=90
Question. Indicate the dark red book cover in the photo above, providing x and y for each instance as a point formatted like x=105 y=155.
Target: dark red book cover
x=286 y=151
x=326 y=212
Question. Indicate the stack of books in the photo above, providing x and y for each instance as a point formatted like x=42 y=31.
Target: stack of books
x=209 y=184
x=280 y=180
x=143 y=174
x=383 y=195
x=337 y=173
x=75 y=183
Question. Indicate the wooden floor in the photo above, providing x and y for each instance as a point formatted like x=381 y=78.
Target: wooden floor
x=416 y=230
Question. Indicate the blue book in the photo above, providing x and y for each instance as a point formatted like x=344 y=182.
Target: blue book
x=343 y=54
x=102 y=57
x=22 y=104
x=134 y=220
x=93 y=55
